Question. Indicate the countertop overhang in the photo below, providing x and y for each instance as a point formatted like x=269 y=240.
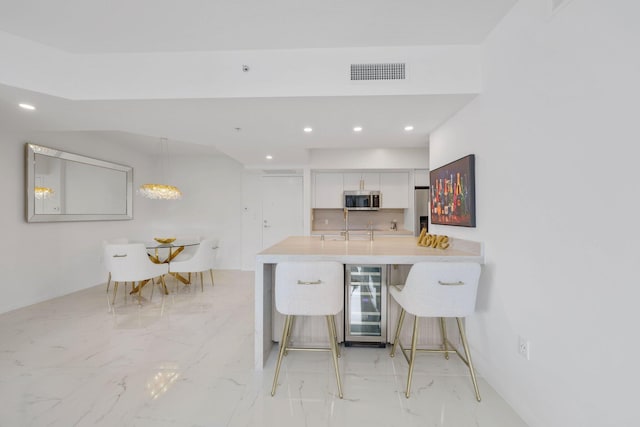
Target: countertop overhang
x=385 y=250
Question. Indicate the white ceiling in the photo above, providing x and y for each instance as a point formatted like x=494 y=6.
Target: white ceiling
x=267 y=125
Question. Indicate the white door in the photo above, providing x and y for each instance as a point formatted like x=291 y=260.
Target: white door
x=281 y=208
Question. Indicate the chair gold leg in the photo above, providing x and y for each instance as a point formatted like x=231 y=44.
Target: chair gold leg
x=153 y=286
x=115 y=291
x=164 y=285
x=414 y=341
x=211 y=272
x=108 y=282
x=443 y=330
x=335 y=333
x=201 y=282
x=334 y=351
x=467 y=353
x=283 y=346
x=396 y=339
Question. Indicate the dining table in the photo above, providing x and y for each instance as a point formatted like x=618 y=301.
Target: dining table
x=164 y=253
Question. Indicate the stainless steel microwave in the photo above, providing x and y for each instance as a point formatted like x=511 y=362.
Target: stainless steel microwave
x=362 y=200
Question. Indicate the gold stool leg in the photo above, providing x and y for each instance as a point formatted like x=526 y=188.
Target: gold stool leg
x=335 y=333
x=467 y=353
x=396 y=339
x=201 y=282
x=286 y=350
x=334 y=351
x=443 y=329
x=211 y=272
x=414 y=341
x=115 y=291
x=283 y=346
x=108 y=282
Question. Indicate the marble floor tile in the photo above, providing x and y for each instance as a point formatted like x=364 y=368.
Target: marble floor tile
x=186 y=359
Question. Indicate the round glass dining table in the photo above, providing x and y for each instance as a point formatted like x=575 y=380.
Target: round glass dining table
x=173 y=249
x=164 y=253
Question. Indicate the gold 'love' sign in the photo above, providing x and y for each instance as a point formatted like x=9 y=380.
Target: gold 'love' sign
x=433 y=240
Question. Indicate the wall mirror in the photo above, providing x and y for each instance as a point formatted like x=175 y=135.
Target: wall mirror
x=63 y=186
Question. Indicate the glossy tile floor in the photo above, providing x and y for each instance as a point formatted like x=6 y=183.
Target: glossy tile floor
x=186 y=359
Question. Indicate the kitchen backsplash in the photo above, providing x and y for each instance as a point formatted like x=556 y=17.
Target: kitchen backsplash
x=333 y=219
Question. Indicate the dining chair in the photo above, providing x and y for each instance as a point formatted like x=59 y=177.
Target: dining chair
x=118 y=240
x=443 y=290
x=309 y=289
x=130 y=263
x=203 y=259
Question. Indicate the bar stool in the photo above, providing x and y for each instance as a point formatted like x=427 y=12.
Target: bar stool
x=438 y=289
x=309 y=289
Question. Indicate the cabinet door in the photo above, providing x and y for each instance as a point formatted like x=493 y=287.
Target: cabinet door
x=421 y=178
x=394 y=190
x=328 y=191
x=370 y=181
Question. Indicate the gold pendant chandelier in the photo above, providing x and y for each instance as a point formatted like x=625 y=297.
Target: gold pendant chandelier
x=161 y=191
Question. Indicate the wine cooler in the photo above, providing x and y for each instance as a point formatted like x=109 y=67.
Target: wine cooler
x=366 y=305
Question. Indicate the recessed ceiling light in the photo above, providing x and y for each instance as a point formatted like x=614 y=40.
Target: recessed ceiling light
x=307 y=129
x=408 y=128
x=357 y=129
x=27 y=106
x=268 y=157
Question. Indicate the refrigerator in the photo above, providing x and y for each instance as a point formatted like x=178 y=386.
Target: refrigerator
x=366 y=305
x=421 y=205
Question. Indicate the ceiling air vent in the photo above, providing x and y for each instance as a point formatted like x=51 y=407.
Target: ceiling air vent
x=377 y=71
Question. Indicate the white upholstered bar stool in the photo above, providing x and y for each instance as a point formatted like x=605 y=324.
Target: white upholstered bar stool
x=438 y=289
x=309 y=289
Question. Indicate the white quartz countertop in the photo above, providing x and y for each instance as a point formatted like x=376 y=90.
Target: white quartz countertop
x=382 y=250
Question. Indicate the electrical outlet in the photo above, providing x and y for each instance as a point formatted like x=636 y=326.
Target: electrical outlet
x=524 y=347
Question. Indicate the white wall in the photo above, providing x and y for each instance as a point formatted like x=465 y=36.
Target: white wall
x=210 y=205
x=370 y=158
x=40 y=261
x=293 y=72
x=555 y=135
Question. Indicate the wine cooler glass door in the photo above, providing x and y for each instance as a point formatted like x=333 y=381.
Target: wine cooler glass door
x=366 y=300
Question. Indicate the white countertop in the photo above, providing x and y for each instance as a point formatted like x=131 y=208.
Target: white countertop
x=385 y=250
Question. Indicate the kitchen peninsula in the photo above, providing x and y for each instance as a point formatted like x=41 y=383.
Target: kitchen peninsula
x=383 y=250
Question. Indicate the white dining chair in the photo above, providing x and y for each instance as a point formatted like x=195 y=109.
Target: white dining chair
x=203 y=259
x=118 y=240
x=309 y=289
x=130 y=263
x=437 y=289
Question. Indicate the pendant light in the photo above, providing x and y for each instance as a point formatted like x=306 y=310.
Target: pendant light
x=43 y=192
x=161 y=191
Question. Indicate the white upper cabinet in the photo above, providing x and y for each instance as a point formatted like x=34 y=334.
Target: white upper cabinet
x=328 y=190
x=421 y=177
x=394 y=190
x=369 y=180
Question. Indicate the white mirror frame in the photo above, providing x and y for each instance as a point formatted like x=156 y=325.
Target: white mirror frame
x=32 y=216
